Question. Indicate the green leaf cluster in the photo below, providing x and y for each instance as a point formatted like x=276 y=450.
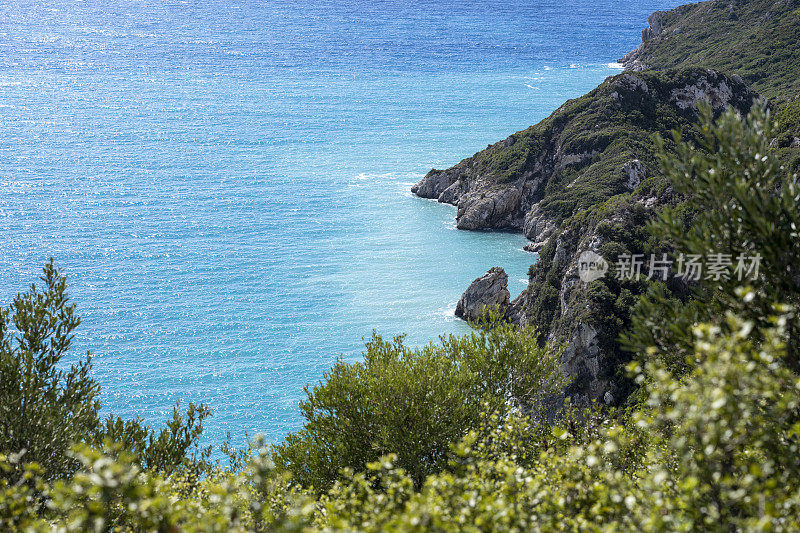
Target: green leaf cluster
x=415 y=402
x=46 y=407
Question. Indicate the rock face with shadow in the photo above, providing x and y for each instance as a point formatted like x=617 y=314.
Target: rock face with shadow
x=486 y=292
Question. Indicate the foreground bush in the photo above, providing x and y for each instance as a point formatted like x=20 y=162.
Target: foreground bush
x=110 y=492
x=415 y=402
x=714 y=451
x=45 y=407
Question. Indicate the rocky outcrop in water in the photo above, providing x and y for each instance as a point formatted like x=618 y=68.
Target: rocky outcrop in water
x=488 y=291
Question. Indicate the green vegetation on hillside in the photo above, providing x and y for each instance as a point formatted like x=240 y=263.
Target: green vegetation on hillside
x=580 y=151
x=754 y=39
x=613 y=125
x=754 y=42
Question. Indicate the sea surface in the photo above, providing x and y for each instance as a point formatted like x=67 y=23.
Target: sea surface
x=226 y=183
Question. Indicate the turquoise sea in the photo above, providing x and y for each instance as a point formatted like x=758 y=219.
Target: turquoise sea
x=226 y=183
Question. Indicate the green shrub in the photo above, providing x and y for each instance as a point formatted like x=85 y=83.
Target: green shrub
x=176 y=445
x=714 y=451
x=45 y=407
x=414 y=402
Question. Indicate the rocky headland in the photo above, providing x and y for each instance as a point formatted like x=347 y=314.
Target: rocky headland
x=587 y=178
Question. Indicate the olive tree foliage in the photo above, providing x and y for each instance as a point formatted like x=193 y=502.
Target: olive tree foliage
x=110 y=491
x=715 y=450
x=739 y=202
x=731 y=433
x=177 y=445
x=44 y=407
x=415 y=402
x=47 y=405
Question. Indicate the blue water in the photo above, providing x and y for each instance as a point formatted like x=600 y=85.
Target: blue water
x=226 y=182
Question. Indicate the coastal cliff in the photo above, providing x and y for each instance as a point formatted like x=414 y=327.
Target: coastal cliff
x=755 y=40
x=587 y=177
x=588 y=150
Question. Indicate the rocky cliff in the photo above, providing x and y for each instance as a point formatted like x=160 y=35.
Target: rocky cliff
x=755 y=40
x=586 y=178
x=635 y=59
x=587 y=151
x=582 y=179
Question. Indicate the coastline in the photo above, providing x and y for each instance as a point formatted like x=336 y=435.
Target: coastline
x=563 y=183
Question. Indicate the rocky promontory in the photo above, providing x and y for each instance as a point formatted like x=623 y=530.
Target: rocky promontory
x=634 y=59
x=587 y=177
x=590 y=149
x=584 y=178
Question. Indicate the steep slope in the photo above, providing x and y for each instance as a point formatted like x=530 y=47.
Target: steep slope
x=586 y=177
x=754 y=39
x=588 y=150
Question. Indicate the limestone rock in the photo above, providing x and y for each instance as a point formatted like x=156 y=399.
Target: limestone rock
x=454 y=192
x=633 y=83
x=515 y=312
x=635 y=172
x=489 y=290
x=710 y=88
x=534 y=247
x=633 y=60
x=496 y=209
x=537 y=227
x=580 y=360
x=433 y=184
